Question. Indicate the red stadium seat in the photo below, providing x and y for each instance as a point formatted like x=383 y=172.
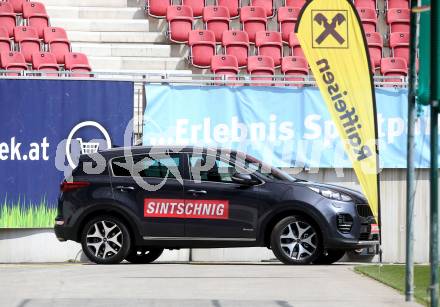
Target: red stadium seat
x=293 y=67
x=12 y=60
x=399 y=44
x=397 y=4
x=196 y=5
x=236 y=43
x=158 y=8
x=287 y=18
x=368 y=18
x=45 y=61
x=261 y=66
x=180 y=19
x=253 y=19
x=36 y=16
x=369 y=4
x=77 y=63
x=7 y=17
x=28 y=42
x=394 y=67
x=17 y=5
x=216 y=19
x=232 y=5
x=270 y=44
x=375 y=45
x=224 y=66
x=58 y=43
x=202 y=44
x=295 y=3
x=266 y=4
x=5 y=42
x=295 y=47
x=398 y=19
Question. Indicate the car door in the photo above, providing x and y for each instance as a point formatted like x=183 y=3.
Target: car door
x=156 y=180
x=242 y=204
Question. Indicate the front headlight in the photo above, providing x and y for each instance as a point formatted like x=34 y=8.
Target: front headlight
x=331 y=194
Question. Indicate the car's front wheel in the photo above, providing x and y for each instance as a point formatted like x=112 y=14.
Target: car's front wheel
x=296 y=240
x=105 y=240
x=143 y=255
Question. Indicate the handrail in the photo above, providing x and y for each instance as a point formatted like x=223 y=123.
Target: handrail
x=185 y=78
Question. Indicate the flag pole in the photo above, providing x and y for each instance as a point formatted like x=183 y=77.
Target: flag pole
x=410 y=167
x=435 y=97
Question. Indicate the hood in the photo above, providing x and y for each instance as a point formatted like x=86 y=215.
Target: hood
x=357 y=196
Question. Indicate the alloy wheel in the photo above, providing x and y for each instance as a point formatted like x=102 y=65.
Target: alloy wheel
x=299 y=240
x=104 y=239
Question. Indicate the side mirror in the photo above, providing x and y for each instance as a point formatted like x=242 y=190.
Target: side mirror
x=244 y=179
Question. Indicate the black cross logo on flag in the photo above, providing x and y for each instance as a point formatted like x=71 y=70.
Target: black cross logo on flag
x=330 y=28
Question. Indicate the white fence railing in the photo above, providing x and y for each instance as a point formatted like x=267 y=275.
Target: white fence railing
x=188 y=78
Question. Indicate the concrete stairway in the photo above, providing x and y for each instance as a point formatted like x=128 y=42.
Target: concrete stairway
x=116 y=35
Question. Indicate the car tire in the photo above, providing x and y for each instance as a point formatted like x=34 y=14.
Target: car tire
x=329 y=257
x=295 y=240
x=143 y=255
x=105 y=240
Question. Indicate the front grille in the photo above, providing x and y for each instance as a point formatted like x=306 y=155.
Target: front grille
x=364 y=210
x=344 y=222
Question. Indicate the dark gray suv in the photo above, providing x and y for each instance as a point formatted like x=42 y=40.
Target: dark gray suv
x=132 y=203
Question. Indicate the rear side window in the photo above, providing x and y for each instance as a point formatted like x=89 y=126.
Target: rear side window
x=146 y=166
x=220 y=171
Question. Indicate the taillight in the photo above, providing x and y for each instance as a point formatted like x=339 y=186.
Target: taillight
x=70 y=186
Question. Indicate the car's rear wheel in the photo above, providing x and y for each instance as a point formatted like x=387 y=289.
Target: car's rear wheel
x=142 y=255
x=296 y=240
x=329 y=257
x=105 y=240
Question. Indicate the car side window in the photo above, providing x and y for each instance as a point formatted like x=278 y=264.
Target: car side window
x=219 y=171
x=146 y=166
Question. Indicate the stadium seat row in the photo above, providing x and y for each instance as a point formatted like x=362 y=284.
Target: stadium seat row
x=25 y=28
x=158 y=8
x=26 y=40
x=294 y=68
x=398 y=43
x=226 y=67
x=33 y=13
x=76 y=63
x=268 y=43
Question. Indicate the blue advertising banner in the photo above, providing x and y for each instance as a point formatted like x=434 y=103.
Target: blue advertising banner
x=287 y=127
x=38 y=119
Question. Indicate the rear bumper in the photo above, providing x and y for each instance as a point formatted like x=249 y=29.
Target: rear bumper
x=62 y=232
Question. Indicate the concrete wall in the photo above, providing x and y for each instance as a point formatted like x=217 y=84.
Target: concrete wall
x=40 y=245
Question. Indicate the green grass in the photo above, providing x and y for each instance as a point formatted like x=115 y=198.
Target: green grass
x=31 y=215
x=394 y=276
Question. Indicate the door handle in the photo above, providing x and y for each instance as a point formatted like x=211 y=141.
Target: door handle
x=197 y=191
x=124 y=188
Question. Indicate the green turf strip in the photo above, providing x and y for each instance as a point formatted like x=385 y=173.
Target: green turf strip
x=394 y=276
x=33 y=215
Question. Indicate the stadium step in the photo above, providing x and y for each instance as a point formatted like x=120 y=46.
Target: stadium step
x=137 y=63
x=95 y=12
x=116 y=37
x=129 y=49
x=86 y=3
x=103 y=25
